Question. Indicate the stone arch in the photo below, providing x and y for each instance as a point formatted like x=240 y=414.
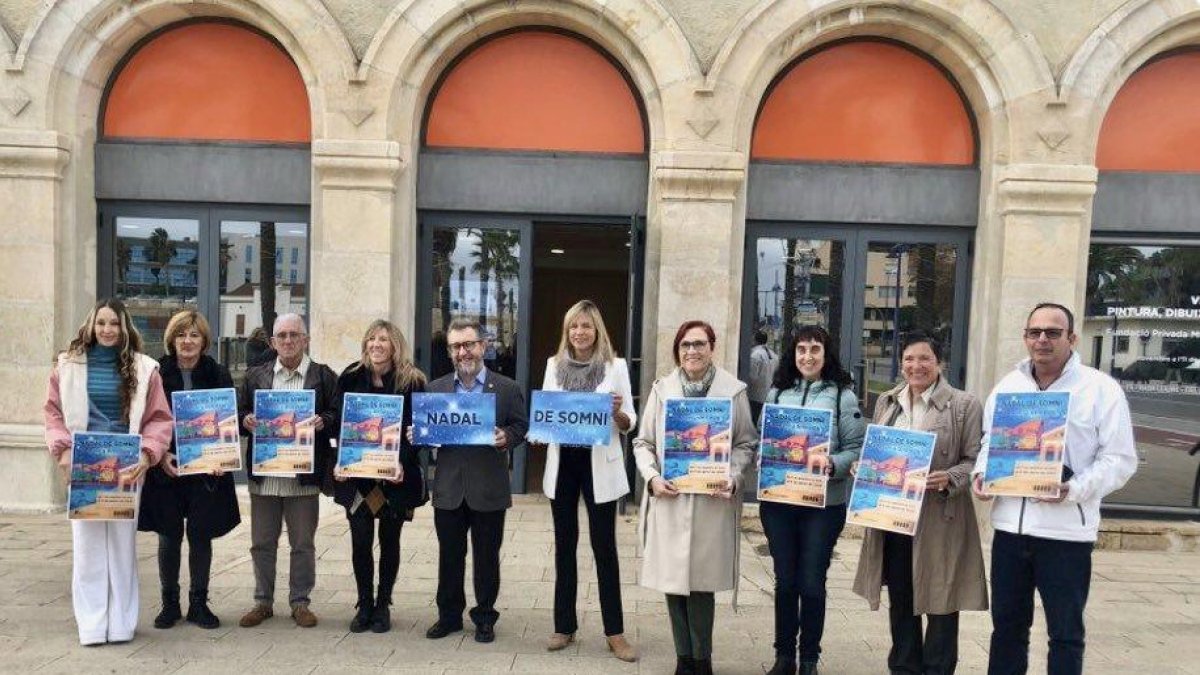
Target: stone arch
x=70 y=51
x=978 y=45
x=422 y=37
x=1122 y=43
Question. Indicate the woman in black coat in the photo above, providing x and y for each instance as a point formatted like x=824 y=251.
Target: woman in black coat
x=386 y=367
x=203 y=506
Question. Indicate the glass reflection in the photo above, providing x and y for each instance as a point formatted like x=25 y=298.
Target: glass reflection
x=476 y=274
x=1142 y=326
x=798 y=282
x=262 y=272
x=156 y=271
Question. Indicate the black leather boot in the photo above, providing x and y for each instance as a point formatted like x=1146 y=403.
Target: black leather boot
x=783 y=666
x=171 y=611
x=199 y=613
x=684 y=665
x=362 y=620
x=381 y=618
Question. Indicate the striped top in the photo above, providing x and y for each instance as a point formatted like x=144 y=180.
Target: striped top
x=103 y=381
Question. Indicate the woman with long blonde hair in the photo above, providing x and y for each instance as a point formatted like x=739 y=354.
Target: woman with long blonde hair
x=586 y=362
x=385 y=367
x=103 y=383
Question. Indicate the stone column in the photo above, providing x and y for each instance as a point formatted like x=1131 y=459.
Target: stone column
x=696 y=241
x=353 y=277
x=1045 y=212
x=31 y=164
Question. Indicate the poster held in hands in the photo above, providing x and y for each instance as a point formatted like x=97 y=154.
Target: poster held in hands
x=206 y=431
x=1026 y=444
x=100 y=488
x=370 y=438
x=698 y=443
x=793 y=455
x=889 y=486
x=285 y=434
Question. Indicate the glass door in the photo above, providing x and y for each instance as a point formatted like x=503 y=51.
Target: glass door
x=866 y=286
x=472 y=269
x=797 y=276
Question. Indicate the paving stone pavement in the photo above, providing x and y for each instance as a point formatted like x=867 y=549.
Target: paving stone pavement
x=1143 y=615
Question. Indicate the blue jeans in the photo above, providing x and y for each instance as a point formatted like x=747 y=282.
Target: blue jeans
x=801 y=541
x=1061 y=572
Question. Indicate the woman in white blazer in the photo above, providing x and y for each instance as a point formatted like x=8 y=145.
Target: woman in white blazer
x=585 y=362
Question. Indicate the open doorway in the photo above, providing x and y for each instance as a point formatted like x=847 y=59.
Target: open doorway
x=571 y=262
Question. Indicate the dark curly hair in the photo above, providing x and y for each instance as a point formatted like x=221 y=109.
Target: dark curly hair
x=787 y=375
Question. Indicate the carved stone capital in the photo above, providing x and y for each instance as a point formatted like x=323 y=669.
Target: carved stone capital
x=1046 y=189
x=700 y=176
x=34 y=155
x=357 y=165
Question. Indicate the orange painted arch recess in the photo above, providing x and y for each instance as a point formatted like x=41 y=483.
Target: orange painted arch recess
x=536 y=90
x=866 y=101
x=209 y=81
x=1153 y=123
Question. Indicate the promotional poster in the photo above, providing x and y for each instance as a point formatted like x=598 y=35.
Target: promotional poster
x=99 y=488
x=206 y=431
x=570 y=418
x=454 y=419
x=369 y=443
x=1026 y=444
x=284 y=433
x=889 y=485
x=698 y=443
x=793 y=455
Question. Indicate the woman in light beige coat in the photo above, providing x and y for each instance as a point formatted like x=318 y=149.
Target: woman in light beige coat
x=938 y=572
x=690 y=541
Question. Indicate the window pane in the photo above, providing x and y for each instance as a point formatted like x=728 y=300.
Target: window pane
x=908 y=287
x=476 y=275
x=799 y=282
x=1142 y=326
x=156 y=272
x=257 y=283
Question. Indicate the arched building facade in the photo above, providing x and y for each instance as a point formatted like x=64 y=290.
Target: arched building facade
x=873 y=166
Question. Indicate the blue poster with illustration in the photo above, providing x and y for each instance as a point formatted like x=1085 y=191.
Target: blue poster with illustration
x=570 y=418
x=206 y=431
x=369 y=443
x=1026 y=444
x=99 y=487
x=793 y=455
x=889 y=485
x=285 y=433
x=454 y=419
x=698 y=443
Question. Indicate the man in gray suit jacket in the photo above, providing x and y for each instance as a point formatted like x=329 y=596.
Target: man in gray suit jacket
x=471 y=489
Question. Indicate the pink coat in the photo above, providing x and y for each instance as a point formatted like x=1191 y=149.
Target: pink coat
x=156 y=423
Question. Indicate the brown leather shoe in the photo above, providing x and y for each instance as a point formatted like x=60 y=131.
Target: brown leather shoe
x=303 y=616
x=620 y=647
x=559 y=641
x=259 y=614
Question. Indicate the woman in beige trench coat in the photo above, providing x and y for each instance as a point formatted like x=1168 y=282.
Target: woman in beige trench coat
x=939 y=572
x=690 y=542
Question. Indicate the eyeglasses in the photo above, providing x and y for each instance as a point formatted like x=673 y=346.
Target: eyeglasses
x=1050 y=333
x=693 y=346
x=467 y=345
x=282 y=337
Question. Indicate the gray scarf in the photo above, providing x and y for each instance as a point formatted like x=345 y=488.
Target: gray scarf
x=697 y=389
x=574 y=375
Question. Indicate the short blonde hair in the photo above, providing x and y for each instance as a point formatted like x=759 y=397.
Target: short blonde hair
x=184 y=320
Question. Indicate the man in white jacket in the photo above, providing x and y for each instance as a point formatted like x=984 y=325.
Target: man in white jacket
x=1046 y=543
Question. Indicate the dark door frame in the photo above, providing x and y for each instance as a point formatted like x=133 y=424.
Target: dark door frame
x=524 y=224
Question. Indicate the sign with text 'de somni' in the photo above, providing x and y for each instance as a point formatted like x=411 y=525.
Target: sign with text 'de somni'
x=570 y=418
x=454 y=419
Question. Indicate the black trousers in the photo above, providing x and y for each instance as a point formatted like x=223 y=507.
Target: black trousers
x=487 y=533
x=1061 y=572
x=362 y=556
x=935 y=652
x=575 y=479
x=170 y=551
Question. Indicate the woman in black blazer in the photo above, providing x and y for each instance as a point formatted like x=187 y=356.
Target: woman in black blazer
x=386 y=367
x=203 y=506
